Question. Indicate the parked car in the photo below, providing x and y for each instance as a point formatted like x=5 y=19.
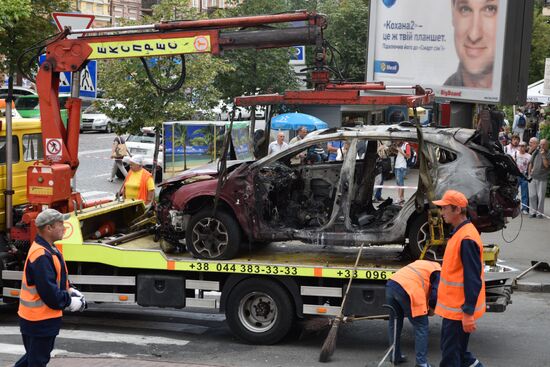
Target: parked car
x=17 y=92
x=95 y=120
x=144 y=145
x=28 y=106
x=330 y=203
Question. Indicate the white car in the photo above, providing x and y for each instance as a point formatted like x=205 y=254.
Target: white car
x=144 y=144
x=95 y=120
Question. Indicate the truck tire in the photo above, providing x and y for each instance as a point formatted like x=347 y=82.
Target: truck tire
x=419 y=233
x=259 y=311
x=210 y=237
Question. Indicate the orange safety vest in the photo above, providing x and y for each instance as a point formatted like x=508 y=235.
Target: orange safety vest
x=415 y=280
x=450 y=296
x=142 y=192
x=31 y=307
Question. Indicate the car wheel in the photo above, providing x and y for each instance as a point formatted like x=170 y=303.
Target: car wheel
x=419 y=234
x=217 y=237
x=259 y=311
x=109 y=128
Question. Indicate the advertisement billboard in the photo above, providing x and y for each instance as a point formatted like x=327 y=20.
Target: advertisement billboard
x=455 y=47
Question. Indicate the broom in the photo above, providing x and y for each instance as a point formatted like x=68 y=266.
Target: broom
x=330 y=342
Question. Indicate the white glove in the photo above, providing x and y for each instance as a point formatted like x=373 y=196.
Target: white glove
x=78 y=304
x=75 y=292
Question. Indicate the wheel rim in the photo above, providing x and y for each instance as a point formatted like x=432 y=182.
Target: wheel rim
x=258 y=312
x=421 y=239
x=210 y=237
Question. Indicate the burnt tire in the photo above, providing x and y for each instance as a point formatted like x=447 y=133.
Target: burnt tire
x=419 y=234
x=259 y=311
x=217 y=237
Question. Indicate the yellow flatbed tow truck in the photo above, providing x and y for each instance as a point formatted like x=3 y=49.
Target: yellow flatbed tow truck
x=262 y=293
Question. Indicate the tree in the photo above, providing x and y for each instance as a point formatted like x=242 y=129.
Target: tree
x=22 y=24
x=256 y=71
x=540 y=45
x=125 y=80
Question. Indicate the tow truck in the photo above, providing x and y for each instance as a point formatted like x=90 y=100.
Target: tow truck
x=261 y=293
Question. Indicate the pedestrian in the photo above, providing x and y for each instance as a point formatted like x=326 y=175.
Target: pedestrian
x=45 y=291
x=300 y=135
x=383 y=167
x=139 y=184
x=519 y=125
x=277 y=145
x=333 y=147
x=461 y=293
x=118 y=152
x=403 y=152
x=412 y=293
x=539 y=168
x=522 y=159
x=512 y=148
x=533 y=145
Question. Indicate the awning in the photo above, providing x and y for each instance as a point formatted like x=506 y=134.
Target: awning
x=534 y=93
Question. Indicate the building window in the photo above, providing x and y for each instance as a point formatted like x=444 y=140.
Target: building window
x=15 y=149
x=32 y=147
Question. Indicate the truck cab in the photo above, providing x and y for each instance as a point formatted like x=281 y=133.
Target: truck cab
x=27 y=149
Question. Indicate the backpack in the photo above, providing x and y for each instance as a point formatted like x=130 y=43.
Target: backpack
x=521 y=122
x=411 y=161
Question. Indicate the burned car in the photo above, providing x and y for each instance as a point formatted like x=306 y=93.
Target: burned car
x=278 y=198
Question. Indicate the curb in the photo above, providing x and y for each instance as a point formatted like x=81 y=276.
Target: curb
x=523 y=286
x=112 y=362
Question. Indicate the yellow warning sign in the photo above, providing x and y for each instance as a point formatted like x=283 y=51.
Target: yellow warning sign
x=38 y=190
x=150 y=47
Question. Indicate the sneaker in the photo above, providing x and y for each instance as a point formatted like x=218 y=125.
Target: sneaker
x=400 y=359
x=540 y=216
x=533 y=216
x=110 y=180
x=525 y=212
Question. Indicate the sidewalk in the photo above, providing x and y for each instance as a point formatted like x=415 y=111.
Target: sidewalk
x=116 y=362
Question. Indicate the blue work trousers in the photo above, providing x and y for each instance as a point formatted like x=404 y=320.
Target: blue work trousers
x=454 y=346
x=402 y=307
x=37 y=350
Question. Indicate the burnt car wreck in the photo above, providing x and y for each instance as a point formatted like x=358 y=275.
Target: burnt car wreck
x=330 y=203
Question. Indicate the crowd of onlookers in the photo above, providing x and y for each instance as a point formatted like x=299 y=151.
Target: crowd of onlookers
x=530 y=152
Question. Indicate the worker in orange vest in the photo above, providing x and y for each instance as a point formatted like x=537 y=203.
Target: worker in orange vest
x=412 y=292
x=461 y=297
x=139 y=183
x=45 y=291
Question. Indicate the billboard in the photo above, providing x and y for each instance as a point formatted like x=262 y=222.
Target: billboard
x=189 y=144
x=455 y=47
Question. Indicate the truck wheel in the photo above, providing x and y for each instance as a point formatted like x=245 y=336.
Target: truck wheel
x=259 y=311
x=419 y=234
x=210 y=237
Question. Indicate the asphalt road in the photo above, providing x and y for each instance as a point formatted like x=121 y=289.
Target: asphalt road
x=95 y=163
x=517 y=337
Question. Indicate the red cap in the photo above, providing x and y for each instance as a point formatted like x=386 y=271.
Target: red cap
x=452 y=197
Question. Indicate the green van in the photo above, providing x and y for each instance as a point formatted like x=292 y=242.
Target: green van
x=27 y=106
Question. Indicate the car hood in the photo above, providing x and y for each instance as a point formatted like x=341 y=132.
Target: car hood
x=210 y=169
x=94 y=116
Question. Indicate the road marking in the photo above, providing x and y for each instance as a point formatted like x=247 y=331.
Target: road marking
x=111 y=136
x=105 y=337
x=20 y=350
x=102 y=175
x=85 y=152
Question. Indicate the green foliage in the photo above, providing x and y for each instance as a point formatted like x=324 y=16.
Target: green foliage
x=348 y=24
x=13 y=11
x=23 y=23
x=125 y=81
x=545 y=130
x=540 y=45
x=256 y=71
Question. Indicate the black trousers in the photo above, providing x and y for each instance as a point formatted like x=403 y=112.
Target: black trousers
x=454 y=346
x=37 y=349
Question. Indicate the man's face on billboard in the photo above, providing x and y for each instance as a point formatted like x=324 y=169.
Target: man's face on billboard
x=475 y=29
